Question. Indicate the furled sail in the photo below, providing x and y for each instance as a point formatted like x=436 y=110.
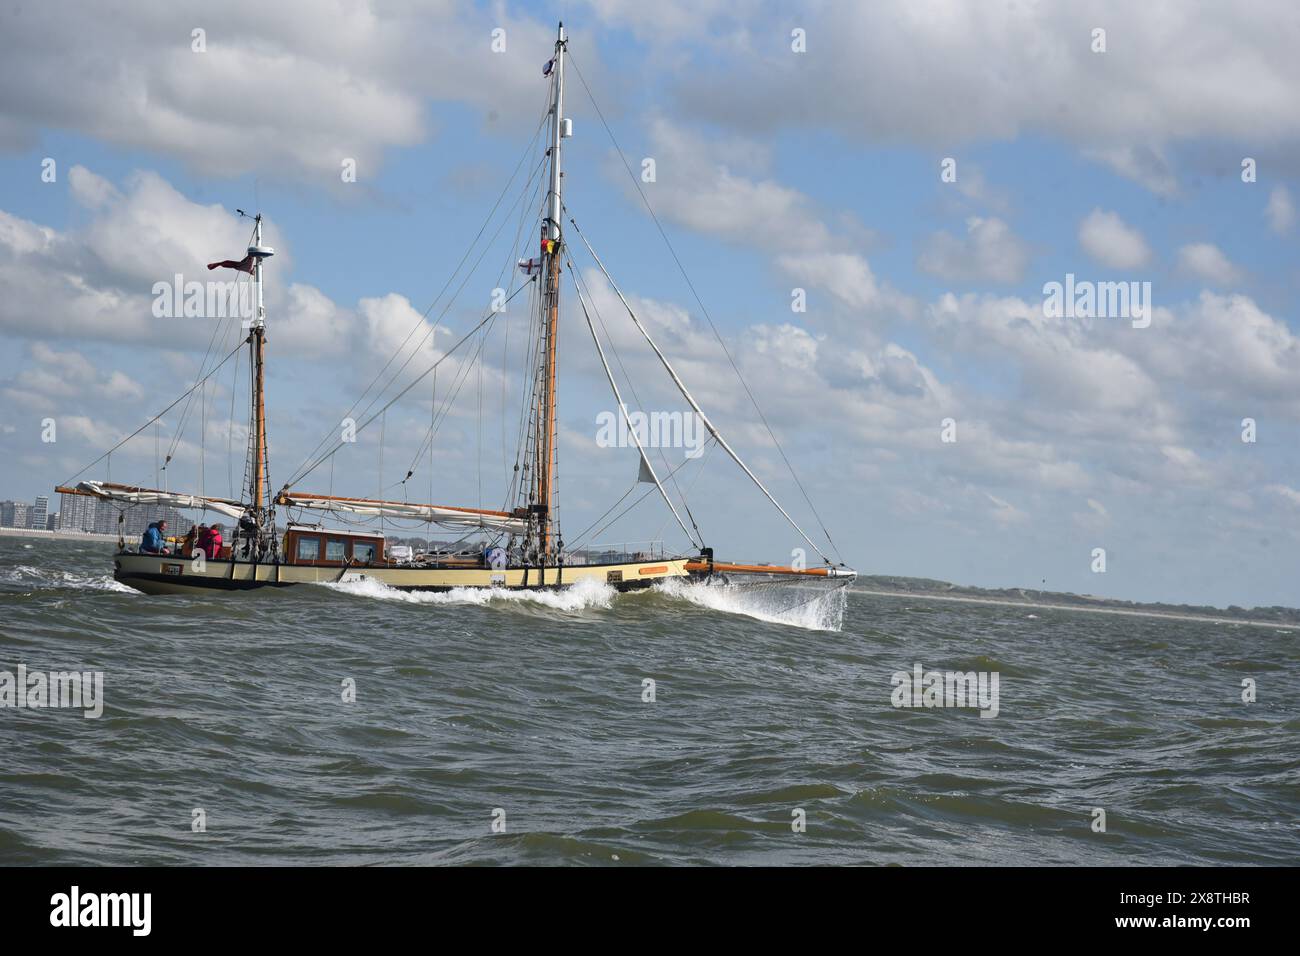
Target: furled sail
x=444 y=516
x=131 y=495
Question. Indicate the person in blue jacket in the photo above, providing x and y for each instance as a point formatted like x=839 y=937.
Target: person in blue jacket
x=154 y=540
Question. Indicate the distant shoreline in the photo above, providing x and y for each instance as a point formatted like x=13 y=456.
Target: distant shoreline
x=56 y=535
x=1131 y=612
x=873 y=592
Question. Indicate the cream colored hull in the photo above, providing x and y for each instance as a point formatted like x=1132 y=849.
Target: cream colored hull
x=160 y=574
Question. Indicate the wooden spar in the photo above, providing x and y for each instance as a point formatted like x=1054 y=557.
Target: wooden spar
x=113 y=486
x=286 y=497
x=60 y=490
x=258 y=339
x=259 y=441
x=547 y=433
x=763 y=569
x=546 y=478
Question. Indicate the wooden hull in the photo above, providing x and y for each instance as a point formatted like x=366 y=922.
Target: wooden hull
x=161 y=574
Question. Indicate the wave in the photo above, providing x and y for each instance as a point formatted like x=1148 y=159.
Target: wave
x=579 y=597
x=815 y=607
x=53 y=578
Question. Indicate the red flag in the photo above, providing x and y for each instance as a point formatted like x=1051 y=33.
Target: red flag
x=243 y=265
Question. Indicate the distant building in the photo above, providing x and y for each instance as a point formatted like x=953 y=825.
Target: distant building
x=86 y=513
x=40 y=513
x=77 y=513
x=52 y=522
x=105 y=517
x=15 y=514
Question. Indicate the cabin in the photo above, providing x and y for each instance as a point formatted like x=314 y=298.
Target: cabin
x=319 y=547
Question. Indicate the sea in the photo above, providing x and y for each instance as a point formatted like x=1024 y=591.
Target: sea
x=357 y=725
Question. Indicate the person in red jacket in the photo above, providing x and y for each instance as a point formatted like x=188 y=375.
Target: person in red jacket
x=213 y=549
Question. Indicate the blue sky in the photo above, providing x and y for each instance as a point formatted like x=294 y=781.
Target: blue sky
x=776 y=170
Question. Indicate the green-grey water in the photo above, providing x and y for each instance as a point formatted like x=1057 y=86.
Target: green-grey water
x=469 y=708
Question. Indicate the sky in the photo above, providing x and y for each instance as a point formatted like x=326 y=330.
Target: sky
x=914 y=173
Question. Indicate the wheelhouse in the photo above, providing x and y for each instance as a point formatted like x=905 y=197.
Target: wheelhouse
x=320 y=547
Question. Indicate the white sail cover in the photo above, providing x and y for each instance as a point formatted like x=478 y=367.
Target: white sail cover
x=458 y=519
x=166 y=499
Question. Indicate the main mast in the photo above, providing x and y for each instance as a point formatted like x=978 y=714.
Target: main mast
x=257 y=343
x=551 y=241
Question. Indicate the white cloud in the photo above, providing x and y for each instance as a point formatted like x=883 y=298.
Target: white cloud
x=1287 y=493
x=1280 y=211
x=989 y=251
x=287 y=90
x=52 y=378
x=1063 y=364
x=1146 y=166
x=1226 y=346
x=1106 y=238
x=719 y=187
x=846 y=276
x=1004 y=512
x=89 y=190
x=1153 y=89
x=95 y=281
x=787 y=344
x=1206 y=261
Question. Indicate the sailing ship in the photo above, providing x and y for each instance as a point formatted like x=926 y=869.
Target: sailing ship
x=519 y=547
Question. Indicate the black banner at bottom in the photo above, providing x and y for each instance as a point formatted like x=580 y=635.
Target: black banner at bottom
x=336 y=905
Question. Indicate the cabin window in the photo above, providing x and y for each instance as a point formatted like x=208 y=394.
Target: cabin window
x=308 y=549
x=363 y=553
x=335 y=550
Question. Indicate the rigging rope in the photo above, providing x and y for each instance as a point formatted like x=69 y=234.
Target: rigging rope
x=705 y=312
x=622 y=408
x=583 y=535
x=155 y=417
x=303 y=473
x=631 y=382
x=435 y=424
x=681 y=387
x=450 y=278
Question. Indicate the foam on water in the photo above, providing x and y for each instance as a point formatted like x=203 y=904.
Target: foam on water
x=53 y=578
x=583 y=595
x=813 y=607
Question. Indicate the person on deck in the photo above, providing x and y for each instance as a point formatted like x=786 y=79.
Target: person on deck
x=213 y=547
x=191 y=538
x=154 y=539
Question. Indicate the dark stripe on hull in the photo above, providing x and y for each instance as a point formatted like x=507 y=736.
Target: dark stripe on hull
x=439 y=588
x=197 y=583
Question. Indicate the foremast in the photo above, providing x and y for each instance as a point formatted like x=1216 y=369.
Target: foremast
x=260 y=521
x=549 y=545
